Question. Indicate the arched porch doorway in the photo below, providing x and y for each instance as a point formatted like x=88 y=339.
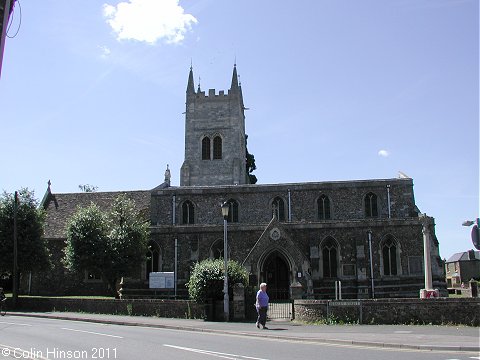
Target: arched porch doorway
x=276 y=273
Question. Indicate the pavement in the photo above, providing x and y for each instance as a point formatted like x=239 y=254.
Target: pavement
x=418 y=337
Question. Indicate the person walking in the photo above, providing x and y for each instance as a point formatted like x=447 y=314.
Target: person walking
x=262 y=306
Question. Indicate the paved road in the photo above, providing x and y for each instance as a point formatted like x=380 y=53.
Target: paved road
x=40 y=338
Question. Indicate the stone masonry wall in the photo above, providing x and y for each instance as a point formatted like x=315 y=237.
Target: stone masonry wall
x=441 y=311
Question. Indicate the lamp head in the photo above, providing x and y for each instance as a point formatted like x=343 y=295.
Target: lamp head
x=225 y=208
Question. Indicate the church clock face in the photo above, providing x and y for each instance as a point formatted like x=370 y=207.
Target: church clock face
x=275 y=234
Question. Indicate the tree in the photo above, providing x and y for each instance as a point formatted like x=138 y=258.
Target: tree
x=32 y=253
x=250 y=163
x=112 y=243
x=206 y=279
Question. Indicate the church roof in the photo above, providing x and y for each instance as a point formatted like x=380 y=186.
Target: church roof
x=60 y=207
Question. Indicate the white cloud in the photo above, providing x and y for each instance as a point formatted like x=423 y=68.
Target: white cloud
x=149 y=20
x=383 y=153
x=104 y=51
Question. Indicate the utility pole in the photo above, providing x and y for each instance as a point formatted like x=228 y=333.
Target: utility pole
x=6 y=7
x=15 y=252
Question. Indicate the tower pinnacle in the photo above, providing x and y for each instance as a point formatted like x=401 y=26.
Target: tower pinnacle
x=234 y=86
x=190 y=86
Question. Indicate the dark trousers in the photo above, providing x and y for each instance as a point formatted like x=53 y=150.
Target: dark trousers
x=262 y=315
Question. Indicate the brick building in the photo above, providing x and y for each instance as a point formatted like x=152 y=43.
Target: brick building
x=299 y=236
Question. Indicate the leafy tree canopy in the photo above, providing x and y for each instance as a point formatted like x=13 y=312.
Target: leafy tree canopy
x=250 y=161
x=32 y=251
x=111 y=243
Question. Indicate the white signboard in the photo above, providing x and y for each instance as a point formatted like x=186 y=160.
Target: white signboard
x=162 y=280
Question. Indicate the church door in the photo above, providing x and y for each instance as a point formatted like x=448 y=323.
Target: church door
x=276 y=274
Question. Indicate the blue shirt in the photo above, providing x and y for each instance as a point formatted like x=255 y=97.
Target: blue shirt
x=262 y=298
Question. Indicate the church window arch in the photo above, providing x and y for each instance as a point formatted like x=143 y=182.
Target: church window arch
x=217 y=147
x=278 y=207
x=323 y=208
x=329 y=258
x=188 y=212
x=390 y=256
x=153 y=259
x=232 y=211
x=216 y=250
x=206 y=148
x=371 y=205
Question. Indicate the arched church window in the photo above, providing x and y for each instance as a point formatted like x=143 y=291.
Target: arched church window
x=278 y=207
x=188 y=212
x=153 y=259
x=389 y=256
x=323 y=205
x=216 y=250
x=217 y=147
x=371 y=207
x=232 y=211
x=206 y=148
x=329 y=256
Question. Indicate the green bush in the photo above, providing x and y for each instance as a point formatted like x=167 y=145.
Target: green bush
x=206 y=279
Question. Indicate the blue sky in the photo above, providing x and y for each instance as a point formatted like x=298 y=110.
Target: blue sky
x=92 y=92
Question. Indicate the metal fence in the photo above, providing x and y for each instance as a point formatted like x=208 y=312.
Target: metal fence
x=280 y=310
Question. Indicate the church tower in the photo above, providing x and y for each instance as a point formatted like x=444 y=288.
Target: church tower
x=215 y=152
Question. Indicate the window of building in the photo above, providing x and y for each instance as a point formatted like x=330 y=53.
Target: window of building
x=188 y=212
x=389 y=256
x=217 y=148
x=216 y=250
x=371 y=207
x=232 y=211
x=329 y=257
x=323 y=205
x=206 y=148
x=153 y=259
x=278 y=206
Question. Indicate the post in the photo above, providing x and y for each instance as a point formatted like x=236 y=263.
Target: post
x=226 y=299
x=226 y=311
x=371 y=263
x=15 y=253
x=428 y=292
x=6 y=16
x=289 y=206
x=389 y=203
x=173 y=209
x=176 y=267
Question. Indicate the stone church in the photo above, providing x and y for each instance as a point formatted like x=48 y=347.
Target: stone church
x=299 y=238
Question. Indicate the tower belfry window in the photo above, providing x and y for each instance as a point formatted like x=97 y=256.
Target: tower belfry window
x=217 y=148
x=206 y=148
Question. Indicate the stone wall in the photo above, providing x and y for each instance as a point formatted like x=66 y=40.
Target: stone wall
x=139 y=307
x=441 y=311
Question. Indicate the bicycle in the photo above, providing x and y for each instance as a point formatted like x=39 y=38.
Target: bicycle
x=3 y=307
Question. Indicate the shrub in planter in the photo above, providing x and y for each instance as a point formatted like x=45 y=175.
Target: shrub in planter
x=206 y=279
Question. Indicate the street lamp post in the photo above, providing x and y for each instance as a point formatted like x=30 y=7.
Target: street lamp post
x=226 y=311
x=15 y=252
x=371 y=263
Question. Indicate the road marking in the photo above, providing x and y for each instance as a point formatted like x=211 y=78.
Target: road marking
x=474 y=357
x=402 y=332
x=10 y=323
x=214 y=353
x=93 y=333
